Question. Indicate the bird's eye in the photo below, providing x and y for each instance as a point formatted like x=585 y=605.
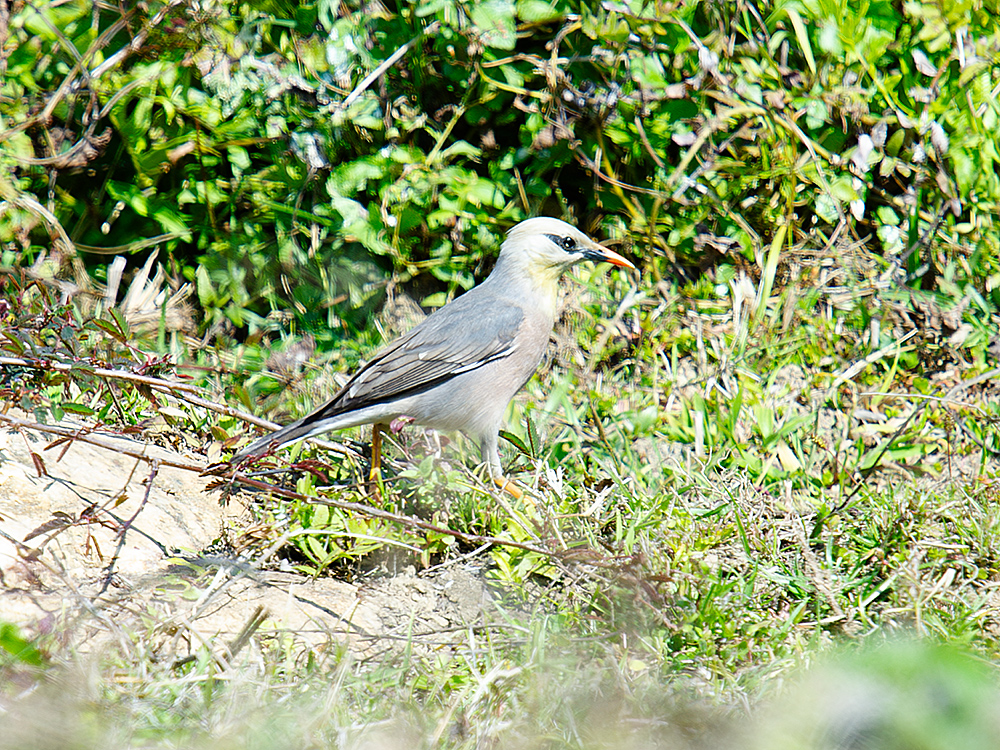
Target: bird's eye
x=565 y=242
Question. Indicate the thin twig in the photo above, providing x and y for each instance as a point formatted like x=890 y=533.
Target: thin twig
x=456 y=560
x=69 y=83
x=172 y=389
x=861 y=364
x=631 y=299
x=28 y=203
x=594 y=167
x=645 y=142
x=952 y=393
x=131 y=247
x=137 y=42
x=865 y=473
x=369 y=79
x=154 y=468
x=39 y=364
x=76 y=435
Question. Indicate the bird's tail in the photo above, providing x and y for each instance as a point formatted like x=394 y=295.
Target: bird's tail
x=290 y=434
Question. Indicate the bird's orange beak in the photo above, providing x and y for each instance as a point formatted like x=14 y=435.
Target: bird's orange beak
x=601 y=254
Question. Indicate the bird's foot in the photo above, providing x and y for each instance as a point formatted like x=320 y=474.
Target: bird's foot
x=509 y=486
x=375 y=483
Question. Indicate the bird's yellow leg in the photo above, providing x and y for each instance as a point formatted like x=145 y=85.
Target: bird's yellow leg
x=508 y=486
x=375 y=476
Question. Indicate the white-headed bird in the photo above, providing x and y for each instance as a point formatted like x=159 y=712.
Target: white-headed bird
x=460 y=367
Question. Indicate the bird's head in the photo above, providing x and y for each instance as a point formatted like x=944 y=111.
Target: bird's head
x=544 y=247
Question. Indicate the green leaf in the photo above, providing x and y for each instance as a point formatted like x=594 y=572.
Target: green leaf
x=430 y=7
x=172 y=221
x=206 y=291
x=109 y=328
x=895 y=142
x=486 y=193
x=514 y=440
x=321 y=516
x=829 y=39
x=354 y=176
x=803 y=38
x=494 y=20
x=538 y=11
x=843 y=190
x=19 y=648
x=460 y=148
x=817 y=114
x=887 y=215
x=72 y=408
x=132 y=196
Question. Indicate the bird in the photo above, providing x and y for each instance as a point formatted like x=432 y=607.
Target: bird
x=459 y=368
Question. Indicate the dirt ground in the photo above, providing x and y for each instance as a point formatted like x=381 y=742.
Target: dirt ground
x=87 y=542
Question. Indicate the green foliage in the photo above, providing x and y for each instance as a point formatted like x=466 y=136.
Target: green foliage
x=15 y=650
x=55 y=352
x=229 y=137
x=326 y=536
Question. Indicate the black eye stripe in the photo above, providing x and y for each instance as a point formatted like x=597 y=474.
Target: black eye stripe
x=566 y=243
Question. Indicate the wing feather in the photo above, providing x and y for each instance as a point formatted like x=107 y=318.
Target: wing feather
x=463 y=336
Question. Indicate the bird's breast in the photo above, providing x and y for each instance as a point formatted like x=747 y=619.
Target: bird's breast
x=474 y=402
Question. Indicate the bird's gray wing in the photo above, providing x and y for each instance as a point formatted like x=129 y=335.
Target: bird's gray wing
x=463 y=336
